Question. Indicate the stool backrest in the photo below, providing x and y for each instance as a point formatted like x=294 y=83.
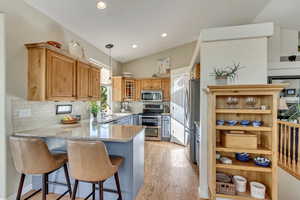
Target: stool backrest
x=31 y=155
x=89 y=161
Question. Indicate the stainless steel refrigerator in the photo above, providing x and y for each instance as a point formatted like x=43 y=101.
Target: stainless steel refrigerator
x=192 y=115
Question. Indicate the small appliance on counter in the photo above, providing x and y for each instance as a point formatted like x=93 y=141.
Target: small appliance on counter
x=152 y=119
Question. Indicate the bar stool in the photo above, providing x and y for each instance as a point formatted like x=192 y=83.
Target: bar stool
x=32 y=156
x=90 y=162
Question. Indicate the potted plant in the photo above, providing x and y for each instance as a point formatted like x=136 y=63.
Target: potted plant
x=223 y=74
x=94 y=108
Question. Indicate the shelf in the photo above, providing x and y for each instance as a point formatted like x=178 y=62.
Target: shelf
x=240 y=196
x=243 y=111
x=244 y=128
x=245 y=166
x=260 y=150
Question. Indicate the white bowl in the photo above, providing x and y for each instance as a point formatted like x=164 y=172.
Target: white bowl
x=257 y=190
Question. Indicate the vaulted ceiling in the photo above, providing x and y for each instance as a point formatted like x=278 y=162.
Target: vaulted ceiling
x=141 y=22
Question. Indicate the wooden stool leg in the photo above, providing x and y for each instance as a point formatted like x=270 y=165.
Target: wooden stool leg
x=44 y=186
x=94 y=191
x=74 y=190
x=68 y=179
x=20 y=187
x=118 y=185
x=101 y=190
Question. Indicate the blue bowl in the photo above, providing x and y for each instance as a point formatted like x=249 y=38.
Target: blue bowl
x=261 y=161
x=232 y=122
x=245 y=122
x=220 y=122
x=244 y=157
x=257 y=123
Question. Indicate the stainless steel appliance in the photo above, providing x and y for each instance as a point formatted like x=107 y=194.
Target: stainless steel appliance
x=152 y=95
x=192 y=115
x=152 y=120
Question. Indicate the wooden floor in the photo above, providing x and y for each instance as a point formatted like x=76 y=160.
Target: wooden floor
x=168 y=174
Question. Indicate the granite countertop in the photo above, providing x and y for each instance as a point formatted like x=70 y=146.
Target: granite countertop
x=87 y=131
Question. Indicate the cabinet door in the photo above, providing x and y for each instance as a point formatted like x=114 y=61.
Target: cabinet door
x=61 y=77
x=146 y=84
x=156 y=84
x=166 y=88
x=94 y=86
x=83 y=71
x=117 y=88
x=138 y=88
x=129 y=93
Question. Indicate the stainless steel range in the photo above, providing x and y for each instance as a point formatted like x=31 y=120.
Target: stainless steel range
x=151 y=118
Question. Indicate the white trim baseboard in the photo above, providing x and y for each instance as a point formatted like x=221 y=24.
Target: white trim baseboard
x=24 y=191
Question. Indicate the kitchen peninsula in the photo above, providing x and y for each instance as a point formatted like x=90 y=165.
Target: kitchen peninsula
x=125 y=141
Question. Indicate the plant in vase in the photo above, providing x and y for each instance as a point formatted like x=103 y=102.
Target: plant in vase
x=222 y=75
x=94 y=108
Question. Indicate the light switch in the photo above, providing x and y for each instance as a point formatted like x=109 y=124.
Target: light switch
x=23 y=113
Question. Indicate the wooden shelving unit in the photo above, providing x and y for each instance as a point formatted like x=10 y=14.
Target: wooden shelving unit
x=267 y=143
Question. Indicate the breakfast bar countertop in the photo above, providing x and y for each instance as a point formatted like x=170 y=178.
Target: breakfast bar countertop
x=87 y=131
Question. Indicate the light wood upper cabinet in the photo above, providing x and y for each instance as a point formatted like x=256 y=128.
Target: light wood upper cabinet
x=138 y=89
x=130 y=87
x=151 y=84
x=94 y=83
x=117 y=88
x=61 y=77
x=166 y=86
x=83 y=83
x=55 y=75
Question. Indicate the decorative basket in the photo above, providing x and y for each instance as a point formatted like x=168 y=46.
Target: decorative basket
x=225 y=188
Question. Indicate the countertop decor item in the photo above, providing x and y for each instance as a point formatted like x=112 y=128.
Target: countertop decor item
x=69 y=120
x=240 y=183
x=75 y=49
x=261 y=161
x=94 y=108
x=257 y=190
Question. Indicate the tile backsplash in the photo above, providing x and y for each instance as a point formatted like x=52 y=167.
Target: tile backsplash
x=27 y=115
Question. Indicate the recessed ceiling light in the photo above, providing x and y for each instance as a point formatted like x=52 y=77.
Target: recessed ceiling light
x=101 y=5
x=164 y=35
x=134 y=46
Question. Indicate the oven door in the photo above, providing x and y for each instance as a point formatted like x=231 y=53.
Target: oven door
x=152 y=133
x=153 y=127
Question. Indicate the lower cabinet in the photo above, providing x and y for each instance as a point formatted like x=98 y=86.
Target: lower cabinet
x=166 y=128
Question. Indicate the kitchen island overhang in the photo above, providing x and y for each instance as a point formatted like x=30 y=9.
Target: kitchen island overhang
x=121 y=140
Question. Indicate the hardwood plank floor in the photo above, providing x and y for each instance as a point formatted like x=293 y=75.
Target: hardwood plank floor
x=168 y=174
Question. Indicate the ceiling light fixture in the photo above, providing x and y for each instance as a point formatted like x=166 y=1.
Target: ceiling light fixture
x=101 y=5
x=164 y=35
x=109 y=47
x=134 y=46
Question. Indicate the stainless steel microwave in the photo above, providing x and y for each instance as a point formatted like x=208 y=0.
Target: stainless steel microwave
x=152 y=95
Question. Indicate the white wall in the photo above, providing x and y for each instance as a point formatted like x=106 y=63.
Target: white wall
x=2 y=111
x=288 y=42
x=24 y=24
x=180 y=56
x=251 y=53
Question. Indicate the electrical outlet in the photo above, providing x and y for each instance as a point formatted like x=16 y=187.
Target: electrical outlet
x=23 y=113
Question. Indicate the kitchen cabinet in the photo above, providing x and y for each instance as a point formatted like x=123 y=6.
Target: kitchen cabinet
x=61 y=77
x=94 y=83
x=130 y=87
x=124 y=89
x=151 y=84
x=138 y=90
x=166 y=128
x=136 y=120
x=166 y=86
x=55 y=75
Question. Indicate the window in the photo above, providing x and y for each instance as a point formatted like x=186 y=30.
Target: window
x=106 y=90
